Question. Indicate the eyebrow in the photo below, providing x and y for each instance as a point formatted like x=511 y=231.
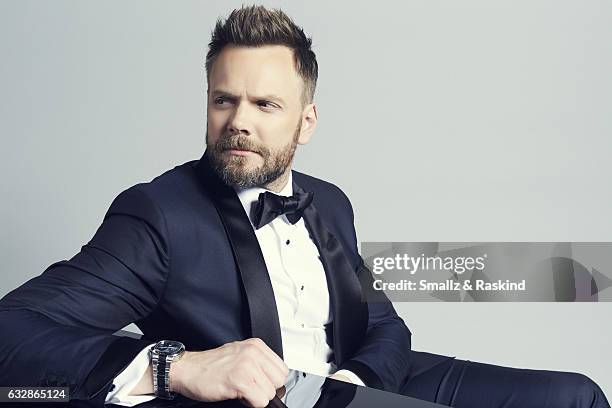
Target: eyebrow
x=269 y=97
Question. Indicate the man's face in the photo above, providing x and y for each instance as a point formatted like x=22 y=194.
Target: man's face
x=255 y=114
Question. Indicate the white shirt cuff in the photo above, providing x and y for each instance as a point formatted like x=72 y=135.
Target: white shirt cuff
x=125 y=382
x=351 y=376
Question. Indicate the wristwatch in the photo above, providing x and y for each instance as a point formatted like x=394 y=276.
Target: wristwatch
x=162 y=355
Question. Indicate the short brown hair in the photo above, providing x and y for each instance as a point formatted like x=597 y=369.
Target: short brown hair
x=255 y=26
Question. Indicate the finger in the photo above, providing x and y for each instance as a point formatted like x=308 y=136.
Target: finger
x=253 y=397
x=268 y=352
x=257 y=393
x=276 y=377
x=263 y=383
x=273 y=362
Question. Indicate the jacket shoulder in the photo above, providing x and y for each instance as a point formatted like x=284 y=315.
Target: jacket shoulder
x=325 y=192
x=179 y=178
x=166 y=198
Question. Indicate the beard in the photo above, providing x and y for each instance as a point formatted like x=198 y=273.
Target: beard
x=233 y=170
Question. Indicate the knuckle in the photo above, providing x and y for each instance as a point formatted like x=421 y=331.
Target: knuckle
x=232 y=346
x=251 y=350
x=245 y=361
x=241 y=390
x=278 y=382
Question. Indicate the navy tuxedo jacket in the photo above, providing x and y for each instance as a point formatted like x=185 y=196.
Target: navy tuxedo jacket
x=178 y=257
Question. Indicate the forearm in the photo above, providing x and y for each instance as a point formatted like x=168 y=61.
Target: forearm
x=41 y=352
x=385 y=352
x=35 y=350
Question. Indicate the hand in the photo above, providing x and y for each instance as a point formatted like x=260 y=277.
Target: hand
x=340 y=377
x=247 y=370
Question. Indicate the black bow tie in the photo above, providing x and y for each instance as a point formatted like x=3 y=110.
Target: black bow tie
x=269 y=206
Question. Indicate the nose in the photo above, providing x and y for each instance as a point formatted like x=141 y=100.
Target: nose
x=238 y=122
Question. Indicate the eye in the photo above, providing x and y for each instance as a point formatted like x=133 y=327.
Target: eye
x=221 y=101
x=267 y=105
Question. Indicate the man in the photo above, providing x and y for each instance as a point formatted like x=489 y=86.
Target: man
x=250 y=266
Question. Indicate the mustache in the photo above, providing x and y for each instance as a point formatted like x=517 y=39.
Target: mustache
x=239 y=142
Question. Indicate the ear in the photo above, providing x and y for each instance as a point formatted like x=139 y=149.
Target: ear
x=309 y=123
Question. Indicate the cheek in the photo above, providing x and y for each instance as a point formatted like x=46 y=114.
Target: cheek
x=276 y=133
x=215 y=125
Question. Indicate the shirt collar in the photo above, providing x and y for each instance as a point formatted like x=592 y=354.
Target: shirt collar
x=250 y=195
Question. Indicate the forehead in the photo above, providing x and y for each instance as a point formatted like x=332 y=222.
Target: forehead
x=256 y=71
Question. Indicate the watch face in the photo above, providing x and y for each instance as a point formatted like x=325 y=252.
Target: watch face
x=169 y=347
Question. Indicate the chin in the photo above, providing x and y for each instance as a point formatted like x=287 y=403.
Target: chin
x=243 y=165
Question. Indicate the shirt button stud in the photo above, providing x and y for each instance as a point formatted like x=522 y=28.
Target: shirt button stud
x=287 y=242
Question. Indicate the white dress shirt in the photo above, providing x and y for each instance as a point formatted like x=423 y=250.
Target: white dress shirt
x=302 y=301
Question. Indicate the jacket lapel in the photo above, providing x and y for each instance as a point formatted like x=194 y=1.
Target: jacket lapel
x=350 y=313
x=249 y=259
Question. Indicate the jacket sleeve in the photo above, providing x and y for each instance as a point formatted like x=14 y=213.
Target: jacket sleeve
x=57 y=328
x=383 y=360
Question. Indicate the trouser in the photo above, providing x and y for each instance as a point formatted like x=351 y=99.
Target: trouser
x=466 y=384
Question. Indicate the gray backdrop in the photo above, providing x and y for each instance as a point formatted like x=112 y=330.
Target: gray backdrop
x=442 y=121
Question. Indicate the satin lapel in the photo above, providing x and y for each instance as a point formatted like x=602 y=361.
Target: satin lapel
x=350 y=314
x=249 y=259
